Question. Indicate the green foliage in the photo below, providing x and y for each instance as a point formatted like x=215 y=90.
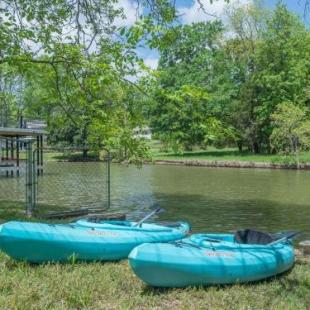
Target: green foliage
x=246 y=76
x=181 y=116
x=292 y=129
x=74 y=62
x=68 y=63
x=271 y=59
x=183 y=113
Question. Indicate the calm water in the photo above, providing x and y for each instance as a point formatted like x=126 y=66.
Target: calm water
x=217 y=199
x=211 y=199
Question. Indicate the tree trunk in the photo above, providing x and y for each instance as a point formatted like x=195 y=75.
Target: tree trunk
x=296 y=152
x=256 y=147
x=85 y=151
x=188 y=147
x=239 y=144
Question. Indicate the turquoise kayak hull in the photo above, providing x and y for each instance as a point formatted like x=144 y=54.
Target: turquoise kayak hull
x=83 y=240
x=194 y=261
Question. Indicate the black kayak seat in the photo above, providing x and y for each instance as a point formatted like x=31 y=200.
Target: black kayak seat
x=251 y=236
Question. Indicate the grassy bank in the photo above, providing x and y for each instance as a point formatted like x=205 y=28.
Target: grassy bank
x=64 y=156
x=227 y=154
x=114 y=286
x=210 y=154
x=15 y=210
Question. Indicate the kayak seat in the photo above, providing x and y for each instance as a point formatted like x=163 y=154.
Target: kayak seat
x=250 y=236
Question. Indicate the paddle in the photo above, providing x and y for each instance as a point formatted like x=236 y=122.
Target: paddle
x=289 y=235
x=158 y=210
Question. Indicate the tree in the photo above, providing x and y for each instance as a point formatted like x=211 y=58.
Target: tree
x=184 y=112
x=291 y=133
x=180 y=117
x=188 y=56
x=76 y=63
x=269 y=65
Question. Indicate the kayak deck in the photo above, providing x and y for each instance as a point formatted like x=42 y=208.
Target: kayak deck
x=38 y=242
x=206 y=259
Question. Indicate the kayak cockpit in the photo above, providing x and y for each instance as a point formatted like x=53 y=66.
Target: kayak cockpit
x=242 y=239
x=132 y=226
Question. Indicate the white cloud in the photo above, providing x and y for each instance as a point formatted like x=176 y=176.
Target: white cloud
x=151 y=62
x=131 y=12
x=195 y=13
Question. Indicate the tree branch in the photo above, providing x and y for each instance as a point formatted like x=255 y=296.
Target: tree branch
x=61 y=97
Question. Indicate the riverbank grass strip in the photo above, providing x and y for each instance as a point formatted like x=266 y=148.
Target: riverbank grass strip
x=112 y=285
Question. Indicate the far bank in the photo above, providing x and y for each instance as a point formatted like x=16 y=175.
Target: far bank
x=227 y=158
x=231 y=164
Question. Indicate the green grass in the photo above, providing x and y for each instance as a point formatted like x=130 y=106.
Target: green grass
x=229 y=154
x=70 y=156
x=15 y=210
x=112 y=285
x=211 y=154
x=64 y=156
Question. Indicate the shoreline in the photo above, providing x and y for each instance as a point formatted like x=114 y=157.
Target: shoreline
x=230 y=164
x=206 y=163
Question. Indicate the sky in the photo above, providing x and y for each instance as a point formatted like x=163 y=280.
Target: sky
x=190 y=12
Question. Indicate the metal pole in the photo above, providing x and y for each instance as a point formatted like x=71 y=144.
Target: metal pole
x=30 y=173
x=17 y=156
x=34 y=179
x=41 y=153
x=12 y=155
x=109 y=180
x=7 y=154
x=6 y=149
x=38 y=157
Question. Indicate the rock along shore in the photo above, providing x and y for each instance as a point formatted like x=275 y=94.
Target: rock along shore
x=231 y=164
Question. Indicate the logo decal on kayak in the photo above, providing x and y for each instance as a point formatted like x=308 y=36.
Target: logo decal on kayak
x=102 y=233
x=218 y=254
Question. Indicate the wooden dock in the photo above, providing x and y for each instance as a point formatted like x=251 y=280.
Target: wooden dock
x=9 y=169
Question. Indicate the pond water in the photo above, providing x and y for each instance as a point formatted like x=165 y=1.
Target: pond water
x=218 y=199
x=211 y=199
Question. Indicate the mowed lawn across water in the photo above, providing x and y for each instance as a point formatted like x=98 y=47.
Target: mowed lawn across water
x=156 y=151
x=225 y=154
x=112 y=285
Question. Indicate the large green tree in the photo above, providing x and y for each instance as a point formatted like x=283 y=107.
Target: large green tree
x=291 y=133
x=67 y=62
x=184 y=108
x=270 y=58
x=76 y=65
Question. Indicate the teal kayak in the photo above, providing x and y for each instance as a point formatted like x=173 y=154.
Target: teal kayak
x=206 y=259
x=83 y=240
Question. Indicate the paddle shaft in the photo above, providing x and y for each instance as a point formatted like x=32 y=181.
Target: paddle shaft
x=147 y=217
x=284 y=238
